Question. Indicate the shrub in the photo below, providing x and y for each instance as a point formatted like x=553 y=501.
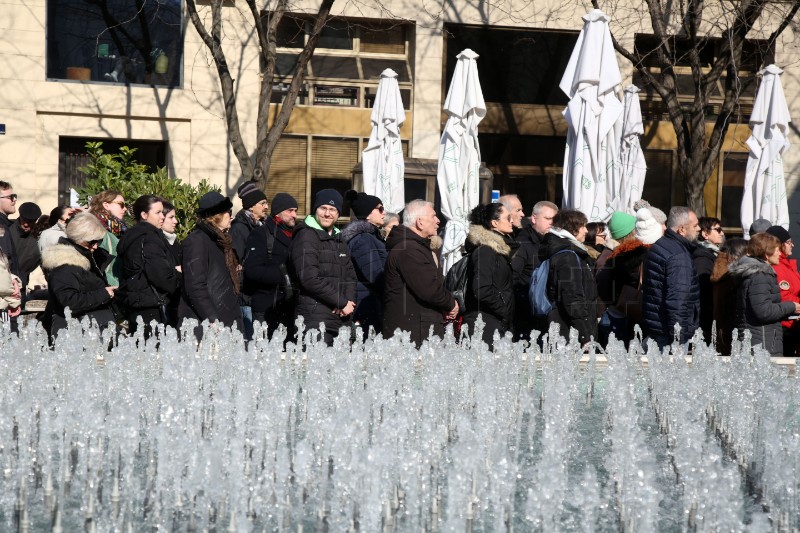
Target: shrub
x=123 y=173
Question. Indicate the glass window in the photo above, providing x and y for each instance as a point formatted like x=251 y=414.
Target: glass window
x=287 y=169
x=373 y=67
x=334 y=67
x=115 y=41
x=371 y=92
x=658 y=182
x=338 y=35
x=331 y=95
x=279 y=91
x=383 y=40
x=291 y=32
x=734 y=167
x=332 y=162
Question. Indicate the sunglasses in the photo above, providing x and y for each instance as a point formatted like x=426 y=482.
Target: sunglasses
x=94 y=243
x=718 y=229
x=121 y=204
x=12 y=197
x=380 y=209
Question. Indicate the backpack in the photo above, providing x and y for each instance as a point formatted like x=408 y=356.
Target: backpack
x=456 y=282
x=537 y=291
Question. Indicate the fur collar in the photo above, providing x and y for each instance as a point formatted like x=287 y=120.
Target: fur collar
x=747 y=266
x=628 y=246
x=63 y=254
x=357 y=227
x=721 y=266
x=480 y=236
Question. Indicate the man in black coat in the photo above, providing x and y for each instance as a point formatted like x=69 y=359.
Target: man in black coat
x=524 y=261
x=670 y=289
x=25 y=242
x=320 y=262
x=265 y=273
x=8 y=206
x=415 y=299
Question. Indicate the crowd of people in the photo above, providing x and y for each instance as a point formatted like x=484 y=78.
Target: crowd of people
x=670 y=275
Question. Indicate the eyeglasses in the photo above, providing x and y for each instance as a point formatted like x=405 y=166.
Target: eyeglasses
x=92 y=244
x=12 y=197
x=718 y=229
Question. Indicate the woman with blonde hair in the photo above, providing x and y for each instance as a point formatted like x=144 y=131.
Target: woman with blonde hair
x=109 y=208
x=759 y=308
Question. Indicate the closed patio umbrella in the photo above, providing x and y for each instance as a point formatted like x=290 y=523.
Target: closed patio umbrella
x=632 y=164
x=460 y=155
x=383 y=157
x=592 y=174
x=764 y=184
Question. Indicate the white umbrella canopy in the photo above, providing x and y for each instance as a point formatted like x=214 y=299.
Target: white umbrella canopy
x=631 y=158
x=764 y=184
x=591 y=160
x=460 y=155
x=382 y=159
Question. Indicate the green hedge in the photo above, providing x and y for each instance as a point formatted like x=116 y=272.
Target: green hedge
x=123 y=173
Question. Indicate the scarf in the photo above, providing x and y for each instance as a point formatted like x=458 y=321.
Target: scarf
x=710 y=245
x=224 y=243
x=558 y=232
x=282 y=226
x=112 y=223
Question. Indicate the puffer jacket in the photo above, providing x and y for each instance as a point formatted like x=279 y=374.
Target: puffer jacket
x=670 y=290
x=490 y=285
x=759 y=308
x=75 y=280
x=368 y=252
x=320 y=264
x=789 y=284
x=571 y=287
x=415 y=299
x=149 y=277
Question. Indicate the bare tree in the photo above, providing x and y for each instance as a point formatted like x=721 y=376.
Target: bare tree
x=265 y=28
x=682 y=33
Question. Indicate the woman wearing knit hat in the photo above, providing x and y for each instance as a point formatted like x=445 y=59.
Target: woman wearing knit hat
x=210 y=267
x=789 y=284
x=619 y=283
x=254 y=211
x=619 y=226
x=368 y=253
x=320 y=263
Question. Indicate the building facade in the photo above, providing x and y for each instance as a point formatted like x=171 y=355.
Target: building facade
x=138 y=74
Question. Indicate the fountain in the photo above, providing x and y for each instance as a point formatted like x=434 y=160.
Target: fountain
x=105 y=434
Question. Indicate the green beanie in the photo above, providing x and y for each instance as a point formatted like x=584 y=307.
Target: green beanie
x=621 y=224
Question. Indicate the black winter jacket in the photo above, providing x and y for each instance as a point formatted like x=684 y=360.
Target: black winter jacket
x=241 y=228
x=758 y=303
x=490 y=287
x=149 y=277
x=76 y=280
x=670 y=290
x=703 y=259
x=368 y=252
x=524 y=261
x=414 y=296
x=264 y=279
x=208 y=291
x=571 y=287
x=320 y=263
x=7 y=244
x=26 y=247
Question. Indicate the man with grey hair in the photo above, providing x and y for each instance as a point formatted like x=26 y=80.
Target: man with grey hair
x=513 y=206
x=414 y=296
x=524 y=262
x=670 y=287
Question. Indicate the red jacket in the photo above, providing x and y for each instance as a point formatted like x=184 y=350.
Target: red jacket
x=789 y=283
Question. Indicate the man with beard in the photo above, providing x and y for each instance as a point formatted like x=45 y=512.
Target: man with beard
x=265 y=273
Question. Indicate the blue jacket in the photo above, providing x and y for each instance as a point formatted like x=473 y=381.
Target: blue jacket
x=670 y=290
x=368 y=252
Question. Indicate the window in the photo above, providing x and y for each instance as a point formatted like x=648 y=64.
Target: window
x=287 y=170
x=72 y=155
x=383 y=39
x=658 y=184
x=734 y=167
x=115 y=41
x=332 y=162
x=338 y=96
x=337 y=35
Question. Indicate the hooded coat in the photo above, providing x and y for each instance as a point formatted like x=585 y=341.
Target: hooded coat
x=490 y=285
x=320 y=263
x=670 y=290
x=75 y=280
x=759 y=308
x=571 y=287
x=368 y=252
x=208 y=291
x=149 y=277
x=414 y=299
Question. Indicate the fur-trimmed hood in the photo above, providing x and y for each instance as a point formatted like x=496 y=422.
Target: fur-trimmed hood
x=721 y=266
x=747 y=266
x=480 y=236
x=628 y=246
x=63 y=254
x=357 y=227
